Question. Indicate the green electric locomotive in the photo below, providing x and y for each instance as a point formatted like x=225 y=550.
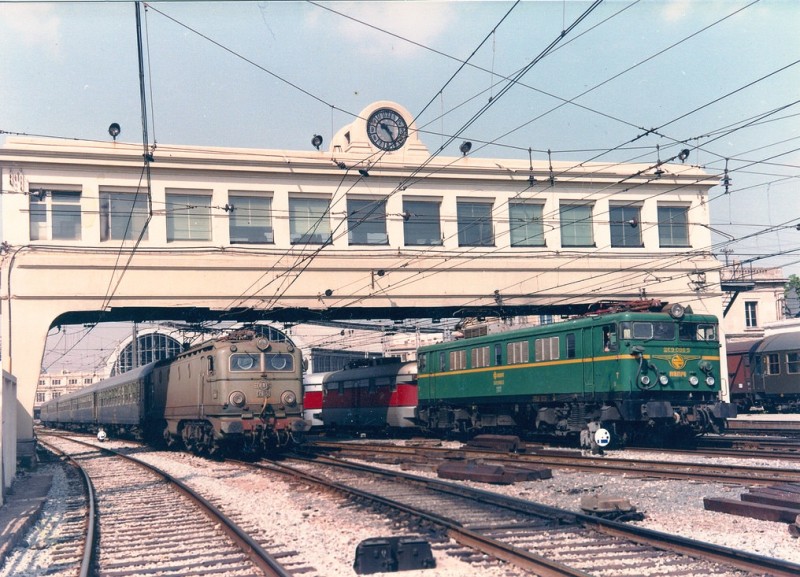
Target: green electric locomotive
x=617 y=375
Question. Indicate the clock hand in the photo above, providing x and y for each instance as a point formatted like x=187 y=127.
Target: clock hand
x=386 y=129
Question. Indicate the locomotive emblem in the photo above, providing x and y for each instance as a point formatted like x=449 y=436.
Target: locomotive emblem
x=677 y=361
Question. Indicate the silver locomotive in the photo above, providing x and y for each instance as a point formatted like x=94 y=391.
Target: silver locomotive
x=238 y=393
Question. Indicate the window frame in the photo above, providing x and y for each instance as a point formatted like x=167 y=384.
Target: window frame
x=422 y=227
x=313 y=225
x=531 y=230
x=192 y=209
x=625 y=226
x=673 y=233
x=474 y=222
x=259 y=228
x=368 y=218
x=576 y=231
x=120 y=224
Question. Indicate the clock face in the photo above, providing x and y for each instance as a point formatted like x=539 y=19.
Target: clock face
x=386 y=129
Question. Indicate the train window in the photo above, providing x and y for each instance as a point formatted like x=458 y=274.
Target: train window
x=442 y=362
x=458 y=360
x=546 y=349
x=498 y=354
x=422 y=362
x=244 y=362
x=280 y=362
x=610 y=338
x=570 y=342
x=660 y=331
x=210 y=365
x=793 y=363
x=479 y=357
x=517 y=352
x=772 y=366
x=697 y=332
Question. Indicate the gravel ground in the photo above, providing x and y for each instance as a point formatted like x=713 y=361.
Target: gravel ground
x=328 y=528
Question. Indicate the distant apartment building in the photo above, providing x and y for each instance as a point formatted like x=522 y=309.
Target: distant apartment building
x=758 y=300
x=53 y=385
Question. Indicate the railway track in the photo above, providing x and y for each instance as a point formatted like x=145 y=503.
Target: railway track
x=150 y=523
x=725 y=473
x=536 y=538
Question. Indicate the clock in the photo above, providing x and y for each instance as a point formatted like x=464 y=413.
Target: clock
x=386 y=129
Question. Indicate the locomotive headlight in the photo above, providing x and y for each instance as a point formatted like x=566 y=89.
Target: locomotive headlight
x=710 y=381
x=645 y=380
x=237 y=399
x=664 y=380
x=288 y=398
x=694 y=381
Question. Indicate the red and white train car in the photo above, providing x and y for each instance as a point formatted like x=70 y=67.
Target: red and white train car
x=378 y=394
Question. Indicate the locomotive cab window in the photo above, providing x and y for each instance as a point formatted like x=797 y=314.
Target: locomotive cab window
x=422 y=362
x=609 y=338
x=244 y=362
x=698 y=332
x=279 y=362
x=640 y=330
x=210 y=365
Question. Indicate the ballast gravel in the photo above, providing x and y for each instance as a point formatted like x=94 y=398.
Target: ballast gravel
x=327 y=528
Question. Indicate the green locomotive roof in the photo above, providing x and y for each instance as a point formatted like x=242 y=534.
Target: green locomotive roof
x=571 y=324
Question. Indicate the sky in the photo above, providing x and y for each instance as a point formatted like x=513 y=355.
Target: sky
x=628 y=82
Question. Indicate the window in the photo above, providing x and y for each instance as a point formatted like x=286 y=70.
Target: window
x=576 y=225
x=546 y=349
x=366 y=221
x=517 y=352
x=474 y=224
x=625 y=229
x=793 y=363
x=571 y=350
x=610 y=338
x=772 y=364
x=458 y=360
x=250 y=221
x=660 y=331
x=55 y=382
x=123 y=215
x=479 y=357
x=498 y=354
x=87 y=380
x=525 y=222
x=188 y=216
x=673 y=226
x=55 y=214
x=308 y=220
x=698 y=332
x=422 y=226
x=751 y=314
x=40 y=397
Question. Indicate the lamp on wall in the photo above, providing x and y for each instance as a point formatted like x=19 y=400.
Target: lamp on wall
x=316 y=141
x=114 y=130
x=465 y=147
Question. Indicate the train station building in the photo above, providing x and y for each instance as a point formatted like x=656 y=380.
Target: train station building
x=371 y=225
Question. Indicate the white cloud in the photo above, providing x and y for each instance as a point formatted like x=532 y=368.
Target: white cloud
x=30 y=25
x=420 y=22
x=675 y=10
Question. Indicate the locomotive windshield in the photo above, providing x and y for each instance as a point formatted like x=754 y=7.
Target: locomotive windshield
x=666 y=331
x=646 y=330
x=698 y=332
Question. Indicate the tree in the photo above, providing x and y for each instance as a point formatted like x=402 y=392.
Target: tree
x=792 y=292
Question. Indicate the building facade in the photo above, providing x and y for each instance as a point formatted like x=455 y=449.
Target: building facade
x=373 y=226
